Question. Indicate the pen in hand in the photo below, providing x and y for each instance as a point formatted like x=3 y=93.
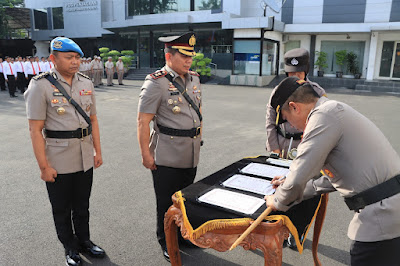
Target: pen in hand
x=276 y=182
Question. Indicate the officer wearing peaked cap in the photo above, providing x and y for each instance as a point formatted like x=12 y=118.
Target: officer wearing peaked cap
x=365 y=172
x=62 y=104
x=171 y=98
x=279 y=134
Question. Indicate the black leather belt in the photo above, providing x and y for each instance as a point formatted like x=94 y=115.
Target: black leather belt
x=79 y=133
x=372 y=195
x=193 y=132
x=295 y=136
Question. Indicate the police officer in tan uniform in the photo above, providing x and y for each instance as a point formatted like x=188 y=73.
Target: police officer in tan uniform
x=120 y=70
x=70 y=148
x=278 y=137
x=358 y=161
x=171 y=150
x=110 y=69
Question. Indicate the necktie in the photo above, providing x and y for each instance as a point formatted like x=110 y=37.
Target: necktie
x=39 y=67
x=34 y=72
x=10 y=69
x=22 y=67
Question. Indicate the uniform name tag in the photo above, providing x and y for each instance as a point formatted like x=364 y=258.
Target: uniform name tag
x=57 y=94
x=174 y=93
x=85 y=92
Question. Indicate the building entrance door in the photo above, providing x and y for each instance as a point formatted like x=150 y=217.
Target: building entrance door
x=390 y=60
x=396 y=64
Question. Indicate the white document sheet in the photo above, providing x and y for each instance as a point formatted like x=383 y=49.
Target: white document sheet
x=248 y=183
x=264 y=170
x=279 y=162
x=232 y=200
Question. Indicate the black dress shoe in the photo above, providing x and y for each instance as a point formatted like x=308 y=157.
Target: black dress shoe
x=291 y=242
x=13 y=96
x=165 y=254
x=72 y=257
x=92 y=249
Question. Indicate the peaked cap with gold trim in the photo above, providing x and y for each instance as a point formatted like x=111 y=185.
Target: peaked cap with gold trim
x=283 y=91
x=184 y=43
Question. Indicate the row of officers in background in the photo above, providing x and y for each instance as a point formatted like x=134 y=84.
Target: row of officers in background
x=16 y=73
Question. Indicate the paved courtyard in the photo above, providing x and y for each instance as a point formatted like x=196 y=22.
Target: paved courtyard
x=123 y=201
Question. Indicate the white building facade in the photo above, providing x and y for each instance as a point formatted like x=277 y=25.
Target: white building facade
x=246 y=39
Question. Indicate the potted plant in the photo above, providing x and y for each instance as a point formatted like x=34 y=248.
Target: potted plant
x=352 y=65
x=201 y=65
x=340 y=60
x=320 y=63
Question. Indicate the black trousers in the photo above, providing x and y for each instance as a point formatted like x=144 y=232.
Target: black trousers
x=69 y=198
x=2 y=82
x=29 y=79
x=11 y=83
x=167 y=181
x=386 y=252
x=21 y=81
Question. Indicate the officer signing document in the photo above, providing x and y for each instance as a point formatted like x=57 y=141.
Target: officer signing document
x=61 y=104
x=171 y=98
x=357 y=160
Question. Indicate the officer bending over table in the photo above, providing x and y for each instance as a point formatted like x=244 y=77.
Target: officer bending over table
x=171 y=98
x=358 y=161
x=71 y=146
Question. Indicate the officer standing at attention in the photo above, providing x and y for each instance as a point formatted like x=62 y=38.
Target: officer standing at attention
x=110 y=69
x=172 y=150
x=22 y=77
x=10 y=75
x=62 y=104
x=363 y=167
x=297 y=63
x=2 y=79
x=120 y=70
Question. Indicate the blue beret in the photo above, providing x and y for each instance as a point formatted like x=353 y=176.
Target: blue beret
x=63 y=44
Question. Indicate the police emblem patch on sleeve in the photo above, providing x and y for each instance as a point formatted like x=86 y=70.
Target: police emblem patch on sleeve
x=158 y=74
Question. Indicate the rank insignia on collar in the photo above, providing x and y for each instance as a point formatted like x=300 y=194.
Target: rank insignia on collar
x=328 y=173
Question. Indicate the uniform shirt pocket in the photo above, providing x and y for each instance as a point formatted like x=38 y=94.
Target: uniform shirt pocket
x=57 y=142
x=86 y=102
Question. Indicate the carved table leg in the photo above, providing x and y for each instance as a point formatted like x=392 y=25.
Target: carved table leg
x=319 y=221
x=271 y=246
x=171 y=237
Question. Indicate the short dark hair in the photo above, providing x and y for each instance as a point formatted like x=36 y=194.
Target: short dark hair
x=303 y=94
x=55 y=53
x=170 y=50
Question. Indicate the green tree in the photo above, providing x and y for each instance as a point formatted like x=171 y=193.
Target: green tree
x=5 y=31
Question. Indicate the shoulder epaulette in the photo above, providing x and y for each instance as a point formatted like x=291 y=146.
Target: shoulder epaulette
x=158 y=74
x=83 y=75
x=42 y=75
x=194 y=73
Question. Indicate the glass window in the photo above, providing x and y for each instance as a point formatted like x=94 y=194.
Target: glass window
x=40 y=17
x=58 y=18
x=138 y=7
x=207 y=4
x=168 y=6
x=386 y=59
x=246 y=57
x=290 y=45
x=330 y=47
x=269 y=58
x=144 y=7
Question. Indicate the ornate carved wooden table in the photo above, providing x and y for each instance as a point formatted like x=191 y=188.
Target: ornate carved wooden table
x=268 y=237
